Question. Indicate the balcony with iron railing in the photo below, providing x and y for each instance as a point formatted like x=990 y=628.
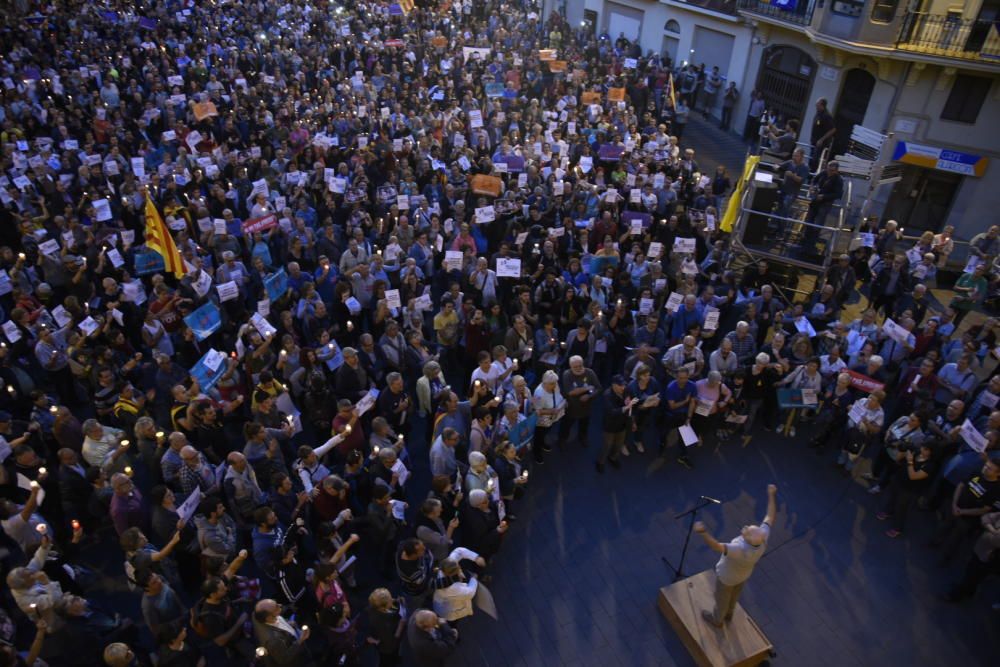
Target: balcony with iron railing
x=796 y=12
x=950 y=37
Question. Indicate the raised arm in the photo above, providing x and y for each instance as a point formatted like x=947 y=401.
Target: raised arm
x=712 y=543
x=772 y=492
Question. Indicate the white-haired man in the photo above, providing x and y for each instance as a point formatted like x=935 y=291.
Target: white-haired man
x=737 y=562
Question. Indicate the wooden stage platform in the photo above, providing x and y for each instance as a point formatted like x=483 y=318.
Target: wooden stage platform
x=739 y=643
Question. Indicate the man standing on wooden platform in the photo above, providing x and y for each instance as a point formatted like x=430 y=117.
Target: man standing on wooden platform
x=737 y=562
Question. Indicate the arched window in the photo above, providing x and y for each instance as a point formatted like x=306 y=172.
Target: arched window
x=672 y=26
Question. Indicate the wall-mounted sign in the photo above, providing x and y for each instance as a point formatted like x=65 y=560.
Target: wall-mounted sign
x=942 y=159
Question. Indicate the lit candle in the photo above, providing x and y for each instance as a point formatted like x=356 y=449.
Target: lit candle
x=75 y=524
x=21 y=256
x=53 y=409
x=350 y=325
x=42 y=528
x=42 y=471
x=305 y=628
x=159 y=434
x=330 y=346
x=347 y=429
x=375 y=449
x=524 y=475
x=33 y=484
x=128 y=470
x=261 y=652
x=124 y=444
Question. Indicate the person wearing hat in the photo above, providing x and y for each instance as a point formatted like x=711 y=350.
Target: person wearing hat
x=617 y=409
x=737 y=561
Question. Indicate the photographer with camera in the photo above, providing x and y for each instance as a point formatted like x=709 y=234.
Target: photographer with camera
x=903 y=435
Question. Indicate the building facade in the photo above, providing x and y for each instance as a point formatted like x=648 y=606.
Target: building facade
x=926 y=71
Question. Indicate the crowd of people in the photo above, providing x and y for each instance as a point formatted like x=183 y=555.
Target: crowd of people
x=271 y=270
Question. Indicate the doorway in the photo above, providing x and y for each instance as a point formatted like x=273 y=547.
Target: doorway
x=851 y=107
x=785 y=80
x=921 y=201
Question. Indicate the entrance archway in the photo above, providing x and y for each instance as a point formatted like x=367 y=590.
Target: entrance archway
x=785 y=80
x=851 y=106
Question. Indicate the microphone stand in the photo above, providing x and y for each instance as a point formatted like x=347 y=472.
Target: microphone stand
x=693 y=513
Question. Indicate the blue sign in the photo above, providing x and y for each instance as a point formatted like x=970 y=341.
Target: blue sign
x=148 y=262
x=598 y=265
x=494 y=90
x=276 y=285
x=522 y=432
x=941 y=159
x=205 y=376
x=205 y=321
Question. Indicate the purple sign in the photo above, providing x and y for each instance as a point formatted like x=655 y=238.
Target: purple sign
x=610 y=152
x=147 y=23
x=515 y=163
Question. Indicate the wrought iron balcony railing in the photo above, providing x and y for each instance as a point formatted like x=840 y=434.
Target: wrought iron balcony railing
x=798 y=12
x=950 y=36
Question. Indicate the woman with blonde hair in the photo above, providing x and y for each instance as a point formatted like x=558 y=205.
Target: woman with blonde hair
x=386 y=625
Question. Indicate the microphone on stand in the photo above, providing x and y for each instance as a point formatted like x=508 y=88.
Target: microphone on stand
x=711 y=500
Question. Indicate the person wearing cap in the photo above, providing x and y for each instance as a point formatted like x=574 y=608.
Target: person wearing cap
x=737 y=561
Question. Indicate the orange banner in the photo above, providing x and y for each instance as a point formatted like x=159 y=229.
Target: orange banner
x=616 y=94
x=486 y=185
x=557 y=65
x=546 y=54
x=590 y=98
x=203 y=110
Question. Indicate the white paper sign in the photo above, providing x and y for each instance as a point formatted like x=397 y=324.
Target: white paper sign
x=655 y=250
x=508 y=267
x=88 y=326
x=684 y=245
x=896 y=332
x=674 y=301
x=189 y=506
x=976 y=440
x=392 y=298
x=11 y=331
x=486 y=214
x=711 y=320
x=49 y=247
x=453 y=260
x=228 y=291
x=688 y=435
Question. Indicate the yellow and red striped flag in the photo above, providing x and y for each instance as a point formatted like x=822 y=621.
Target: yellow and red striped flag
x=406 y=6
x=673 y=98
x=158 y=238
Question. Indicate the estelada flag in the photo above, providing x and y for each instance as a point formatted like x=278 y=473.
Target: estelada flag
x=158 y=239
x=673 y=95
x=406 y=6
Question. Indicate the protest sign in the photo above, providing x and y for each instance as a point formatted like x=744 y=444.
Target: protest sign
x=205 y=321
x=261 y=224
